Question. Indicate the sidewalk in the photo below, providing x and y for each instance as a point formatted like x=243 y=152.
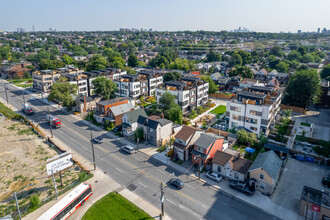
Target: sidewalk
x=258 y=200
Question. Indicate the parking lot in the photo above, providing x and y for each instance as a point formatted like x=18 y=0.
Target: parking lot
x=295 y=175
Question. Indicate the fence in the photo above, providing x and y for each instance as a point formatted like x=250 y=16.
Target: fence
x=293 y=109
x=220 y=96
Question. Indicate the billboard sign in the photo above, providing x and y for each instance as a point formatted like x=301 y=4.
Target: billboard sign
x=59 y=163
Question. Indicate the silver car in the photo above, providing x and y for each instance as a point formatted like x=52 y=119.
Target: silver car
x=214 y=176
x=127 y=149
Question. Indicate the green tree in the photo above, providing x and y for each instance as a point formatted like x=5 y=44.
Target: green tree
x=104 y=87
x=132 y=61
x=169 y=76
x=175 y=114
x=294 y=55
x=62 y=92
x=246 y=57
x=67 y=59
x=34 y=202
x=31 y=67
x=182 y=64
x=236 y=59
x=245 y=137
x=166 y=101
x=282 y=67
x=302 y=50
x=242 y=71
x=212 y=56
x=211 y=69
x=295 y=64
x=276 y=51
x=325 y=73
x=139 y=133
x=97 y=62
x=46 y=64
x=307 y=58
x=303 y=89
x=212 y=86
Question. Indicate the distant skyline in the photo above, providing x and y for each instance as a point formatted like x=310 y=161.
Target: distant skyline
x=170 y=15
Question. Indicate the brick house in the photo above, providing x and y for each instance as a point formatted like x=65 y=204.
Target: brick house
x=205 y=148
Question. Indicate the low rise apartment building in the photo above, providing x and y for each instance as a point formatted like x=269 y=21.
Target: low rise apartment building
x=254 y=108
x=190 y=92
x=142 y=84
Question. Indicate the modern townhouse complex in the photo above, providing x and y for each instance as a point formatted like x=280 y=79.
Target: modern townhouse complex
x=44 y=79
x=142 y=84
x=254 y=108
x=189 y=92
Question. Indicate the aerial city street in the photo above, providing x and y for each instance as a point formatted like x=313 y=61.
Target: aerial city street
x=146 y=112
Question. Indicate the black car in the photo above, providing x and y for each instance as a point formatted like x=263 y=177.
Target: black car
x=98 y=140
x=176 y=183
x=118 y=128
x=242 y=187
x=326 y=182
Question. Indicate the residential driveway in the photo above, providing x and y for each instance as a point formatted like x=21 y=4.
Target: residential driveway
x=295 y=175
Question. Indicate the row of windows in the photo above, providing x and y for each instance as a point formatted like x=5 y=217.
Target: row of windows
x=73 y=204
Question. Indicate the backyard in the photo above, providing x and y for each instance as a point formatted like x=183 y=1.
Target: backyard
x=114 y=206
x=219 y=110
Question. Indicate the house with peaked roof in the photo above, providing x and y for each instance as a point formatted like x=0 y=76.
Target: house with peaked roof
x=231 y=166
x=129 y=121
x=157 y=131
x=117 y=112
x=205 y=148
x=261 y=74
x=265 y=172
x=184 y=140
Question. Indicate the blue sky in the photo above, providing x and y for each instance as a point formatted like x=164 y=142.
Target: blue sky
x=171 y=15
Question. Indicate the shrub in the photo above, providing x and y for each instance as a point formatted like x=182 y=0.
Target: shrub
x=34 y=202
x=82 y=176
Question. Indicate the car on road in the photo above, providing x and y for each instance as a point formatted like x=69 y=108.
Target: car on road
x=33 y=99
x=117 y=128
x=98 y=140
x=127 y=149
x=326 y=182
x=214 y=176
x=176 y=183
x=242 y=187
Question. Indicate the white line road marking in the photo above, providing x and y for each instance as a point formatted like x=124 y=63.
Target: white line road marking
x=143 y=185
x=170 y=201
x=161 y=171
x=101 y=158
x=138 y=159
x=119 y=170
x=190 y=186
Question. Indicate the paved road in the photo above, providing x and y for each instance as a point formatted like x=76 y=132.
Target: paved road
x=141 y=173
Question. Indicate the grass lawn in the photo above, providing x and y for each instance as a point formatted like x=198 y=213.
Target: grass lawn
x=114 y=206
x=219 y=110
x=28 y=85
x=305 y=124
x=18 y=81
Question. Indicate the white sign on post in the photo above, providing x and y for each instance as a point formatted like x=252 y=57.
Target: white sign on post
x=59 y=163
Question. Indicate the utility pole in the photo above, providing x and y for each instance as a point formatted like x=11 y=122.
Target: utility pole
x=19 y=212
x=54 y=185
x=162 y=198
x=50 y=123
x=6 y=93
x=93 y=150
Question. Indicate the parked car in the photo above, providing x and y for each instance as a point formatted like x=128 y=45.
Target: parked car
x=98 y=140
x=214 y=176
x=117 y=128
x=326 y=182
x=127 y=149
x=242 y=187
x=176 y=183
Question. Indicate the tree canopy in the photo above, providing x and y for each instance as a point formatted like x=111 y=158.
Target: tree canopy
x=62 y=92
x=133 y=61
x=242 y=71
x=303 y=89
x=104 y=87
x=97 y=62
x=325 y=73
x=212 y=86
x=169 y=76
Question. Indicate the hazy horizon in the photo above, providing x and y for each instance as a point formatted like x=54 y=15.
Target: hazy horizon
x=190 y=15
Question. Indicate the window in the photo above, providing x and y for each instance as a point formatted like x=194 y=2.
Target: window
x=236 y=117
x=253 y=128
x=234 y=125
x=261 y=176
x=151 y=130
x=219 y=169
x=236 y=109
x=199 y=149
x=236 y=175
x=262 y=185
x=252 y=112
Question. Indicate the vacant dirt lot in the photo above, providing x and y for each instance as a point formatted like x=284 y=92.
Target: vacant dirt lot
x=23 y=158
